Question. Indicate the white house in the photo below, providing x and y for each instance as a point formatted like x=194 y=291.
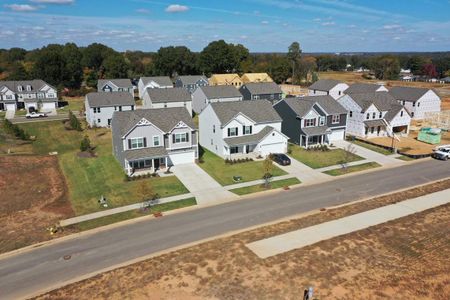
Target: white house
x=241 y=128
x=334 y=88
x=163 y=98
x=101 y=106
x=28 y=94
x=115 y=85
x=375 y=114
x=157 y=82
x=209 y=94
x=418 y=101
x=359 y=87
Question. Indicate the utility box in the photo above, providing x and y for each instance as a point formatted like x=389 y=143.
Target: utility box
x=430 y=135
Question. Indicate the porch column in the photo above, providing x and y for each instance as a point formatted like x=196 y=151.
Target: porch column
x=165 y=160
x=306 y=140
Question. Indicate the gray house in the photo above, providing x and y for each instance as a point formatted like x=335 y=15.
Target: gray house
x=115 y=85
x=191 y=82
x=210 y=94
x=149 y=140
x=169 y=97
x=261 y=90
x=101 y=106
x=312 y=120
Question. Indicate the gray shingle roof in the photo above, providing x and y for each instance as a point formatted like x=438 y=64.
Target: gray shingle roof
x=163 y=118
x=317 y=130
x=191 y=79
x=150 y=152
x=161 y=80
x=249 y=139
x=220 y=91
x=375 y=123
x=393 y=111
x=35 y=84
x=262 y=88
x=382 y=100
x=324 y=85
x=411 y=94
x=169 y=95
x=109 y=99
x=302 y=105
x=260 y=111
x=122 y=83
x=362 y=88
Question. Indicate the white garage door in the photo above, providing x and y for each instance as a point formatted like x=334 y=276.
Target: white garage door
x=10 y=107
x=182 y=158
x=272 y=148
x=336 y=135
x=48 y=106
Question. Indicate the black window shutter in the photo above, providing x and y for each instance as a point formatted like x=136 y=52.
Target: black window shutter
x=173 y=138
x=228 y=131
x=243 y=129
x=145 y=142
x=129 y=144
x=187 y=136
x=251 y=129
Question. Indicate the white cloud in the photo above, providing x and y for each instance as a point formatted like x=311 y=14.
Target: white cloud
x=265 y=22
x=21 y=7
x=391 y=26
x=143 y=11
x=397 y=38
x=174 y=8
x=64 y=2
x=328 y=23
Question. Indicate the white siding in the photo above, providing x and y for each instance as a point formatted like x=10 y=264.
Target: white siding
x=101 y=119
x=209 y=138
x=429 y=102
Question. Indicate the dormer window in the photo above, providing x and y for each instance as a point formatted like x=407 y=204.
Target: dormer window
x=29 y=88
x=20 y=88
x=381 y=114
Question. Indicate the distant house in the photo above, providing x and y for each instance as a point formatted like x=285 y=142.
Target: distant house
x=226 y=79
x=115 y=85
x=28 y=94
x=375 y=114
x=261 y=90
x=312 y=120
x=241 y=128
x=157 y=82
x=150 y=140
x=191 y=82
x=163 y=98
x=101 y=106
x=334 y=88
x=446 y=79
x=210 y=94
x=365 y=88
x=418 y=101
x=255 y=77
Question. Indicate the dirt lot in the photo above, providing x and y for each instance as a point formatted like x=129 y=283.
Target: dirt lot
x=33 y=197
x=403 y=259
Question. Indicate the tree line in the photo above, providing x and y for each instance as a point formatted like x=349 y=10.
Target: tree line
x=70 y=66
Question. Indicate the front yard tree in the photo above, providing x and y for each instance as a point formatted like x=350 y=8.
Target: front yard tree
x=349 y=152
x=267 y=171
x=145 y=190
x=85 y=144
x=74 y=122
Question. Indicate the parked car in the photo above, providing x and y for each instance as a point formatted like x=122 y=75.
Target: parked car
x=35 y=115
x=281 y=159
x=442 y=152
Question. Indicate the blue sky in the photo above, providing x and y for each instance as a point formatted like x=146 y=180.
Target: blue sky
x=261 y=25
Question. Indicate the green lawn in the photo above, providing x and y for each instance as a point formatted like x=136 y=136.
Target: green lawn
x=405 y=158
x=90 y=178
x=223 y=173
x=372 y=147
x=2 y=114
x=135 y=214
x=260 y=187
x=75 y=104
x=321 y=159
x=21 y=112
x=351 y=169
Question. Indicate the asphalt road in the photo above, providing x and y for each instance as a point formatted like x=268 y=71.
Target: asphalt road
x=44 y=267
x=61 y=116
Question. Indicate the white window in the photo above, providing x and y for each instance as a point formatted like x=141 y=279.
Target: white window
x=9 y=97
x=321 y=121
x=335 y=119
x=28 y=87
x=156 y=141
x=310 y=122
x=136 y=143
x=233 y=131
x=51 y=95
x=180 y=138
x=96 y=109
x=99 y=121
x=40 y=95
x=418 y=104
x=367 y=116
x=247 y=129
x=20 y=88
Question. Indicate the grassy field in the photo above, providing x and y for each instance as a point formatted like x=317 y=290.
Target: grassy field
x=223 y=173
x=405 y=158
x=90 y=178
x=260 y=187
x=351 y=169
x=321 y=159
x=74 y=104
x=375 y=148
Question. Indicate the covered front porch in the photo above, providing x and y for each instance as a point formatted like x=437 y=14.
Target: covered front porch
x=146 y=160
x=314 y=136
x=375 y=128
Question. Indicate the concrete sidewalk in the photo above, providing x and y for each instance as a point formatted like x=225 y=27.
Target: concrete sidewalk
x=384 y=160
x=353 y=163
x=255 y=182
x=311 y=235
x=304 y=173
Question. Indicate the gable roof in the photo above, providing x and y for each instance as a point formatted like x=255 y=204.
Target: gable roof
x=163 y=118
x=302 y=105
x=260 y=111
x=36 y=85
x=225 y=78
x=262 y=88
x=411 y=94
x=382 y=100
x=393 y=111
x=249 y=139
x=160 y=80
x=324 y=85
x=169 y=95
x=256 y=77
x=191 y=79
x=100 y=99
x=220 y=91
x=122 y=83
x=362 y=88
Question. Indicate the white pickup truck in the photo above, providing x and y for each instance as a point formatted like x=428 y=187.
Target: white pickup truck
x=442 y=152
x=33 y=115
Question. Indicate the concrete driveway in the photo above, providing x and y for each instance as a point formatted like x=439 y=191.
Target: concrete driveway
x=205 y=189
x=370 y=155
x=304 y=173
x=10 y=114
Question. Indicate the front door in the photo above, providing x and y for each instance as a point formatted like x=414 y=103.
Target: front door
x=247 y=148
x=156 y=164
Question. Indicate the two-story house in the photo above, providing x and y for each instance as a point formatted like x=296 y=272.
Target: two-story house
x=375 y=114
x=242 y=128
x=261 y=90
x=149 y=140
x=28 y=94
x=418 y=101
x=360 y=88
x=100 y=107
x=163 y=98
x=312 y=120
x=255 y=77
x=226 y=79
x=156 y=82
x=115 y=85
x=322 y=87
x=191 y=82
x=209 y=94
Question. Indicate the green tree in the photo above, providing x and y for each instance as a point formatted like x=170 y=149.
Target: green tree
x=73 y=74
x=145 y=190
x=279 y=69
x=94 y=55
x=172 y=61
x=386 y=67
x=74 y=122
x=17 y=72
x=267 y=171
x=416 y=64
x=50 y=65
x=85 y=144
x=92 y=79
x=220 y=57
x=295 y=55
x=115 y=66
